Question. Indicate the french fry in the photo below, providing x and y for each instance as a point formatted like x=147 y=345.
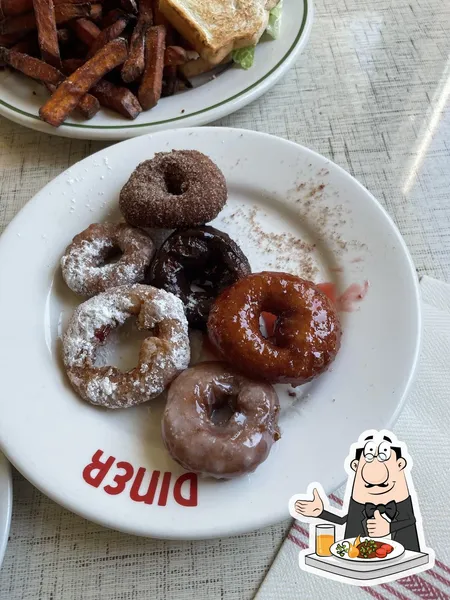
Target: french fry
x=70 y=65
x=68 y=94
x=117 y=98
x=88 y=105
x=85 y=30
x=13 y=8
x=33 y=67
x=44 y=12
x=63 y=14
x=135 y=64
x=107 y=35
x=112 y=16
x=151 y=85
x=48 y=75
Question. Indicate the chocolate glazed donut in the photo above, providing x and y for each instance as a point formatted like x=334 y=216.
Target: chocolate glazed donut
x=205 y=257
x=204 y=438
x=307 y=330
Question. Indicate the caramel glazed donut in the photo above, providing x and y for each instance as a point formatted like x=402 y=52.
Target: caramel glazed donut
x=173 y=190
x=203 y=256
x=163 y=355
x=84 y=265
x=219 y=448
x=307 y=330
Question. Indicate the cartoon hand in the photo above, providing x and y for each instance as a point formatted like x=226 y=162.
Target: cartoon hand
x=377 y=526
x=310 y=508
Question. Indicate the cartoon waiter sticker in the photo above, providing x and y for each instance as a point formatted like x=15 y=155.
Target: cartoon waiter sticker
x=382 y=538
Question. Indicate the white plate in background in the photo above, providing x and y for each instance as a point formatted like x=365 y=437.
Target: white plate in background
x=5 y=504
x=21 y=97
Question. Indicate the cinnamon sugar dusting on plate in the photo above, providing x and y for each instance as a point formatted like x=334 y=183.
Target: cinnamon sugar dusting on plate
x=310 y=200
x=284 y=251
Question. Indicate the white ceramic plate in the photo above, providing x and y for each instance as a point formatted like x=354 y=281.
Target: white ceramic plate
x=396 y=552
x=289 y=209
x=21 y=98
x=5 y=504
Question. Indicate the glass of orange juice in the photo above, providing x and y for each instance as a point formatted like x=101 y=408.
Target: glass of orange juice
x=325 y=538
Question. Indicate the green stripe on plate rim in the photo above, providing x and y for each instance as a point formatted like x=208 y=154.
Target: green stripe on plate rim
x=199 y=112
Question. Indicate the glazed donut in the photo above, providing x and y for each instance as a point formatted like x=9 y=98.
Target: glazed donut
x=307 y=330
x=163 y=355
x=218 y=447
x=205 y=257
x=177 y=189
x=84 y=264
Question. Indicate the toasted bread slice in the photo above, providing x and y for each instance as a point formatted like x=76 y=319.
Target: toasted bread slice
x=216 y=27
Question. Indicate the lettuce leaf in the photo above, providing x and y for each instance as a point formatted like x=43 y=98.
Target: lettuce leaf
x=244 y=57
x=274 y=26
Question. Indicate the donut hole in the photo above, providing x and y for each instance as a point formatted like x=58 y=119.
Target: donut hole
x=112 y=256
x=120 y=346
x=174 y=183
x=267 y=323
x=222 y=407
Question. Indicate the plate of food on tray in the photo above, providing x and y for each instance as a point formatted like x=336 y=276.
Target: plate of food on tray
x=115 y=69
x=363 y=549
x=195 y=316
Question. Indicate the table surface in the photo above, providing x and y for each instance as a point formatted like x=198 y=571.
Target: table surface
x=371 y=92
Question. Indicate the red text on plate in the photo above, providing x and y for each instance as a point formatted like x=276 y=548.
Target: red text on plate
x=141 y=489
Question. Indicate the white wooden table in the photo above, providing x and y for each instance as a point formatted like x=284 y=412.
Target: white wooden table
x=371 y=92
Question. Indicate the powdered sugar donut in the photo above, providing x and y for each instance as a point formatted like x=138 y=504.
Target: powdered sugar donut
x=163 y=355
x=84 y=264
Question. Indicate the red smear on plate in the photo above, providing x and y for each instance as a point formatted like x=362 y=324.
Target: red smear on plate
x=347 y=301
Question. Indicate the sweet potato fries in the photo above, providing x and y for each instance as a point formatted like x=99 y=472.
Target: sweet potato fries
x=112 y=53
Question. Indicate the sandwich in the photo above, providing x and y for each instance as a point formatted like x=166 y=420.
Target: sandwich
x=223 y=30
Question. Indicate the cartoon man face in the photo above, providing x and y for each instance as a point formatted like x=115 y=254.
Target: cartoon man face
x=379 y=473
x=380 y=503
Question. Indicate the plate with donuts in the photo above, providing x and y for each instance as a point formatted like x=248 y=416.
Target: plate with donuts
x=195 y=318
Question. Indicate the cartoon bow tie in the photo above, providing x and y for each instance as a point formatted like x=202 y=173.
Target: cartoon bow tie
x=390 y=509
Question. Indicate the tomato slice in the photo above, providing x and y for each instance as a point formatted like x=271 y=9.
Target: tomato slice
x=381 y=552
x=269 y=322
x=387 y=547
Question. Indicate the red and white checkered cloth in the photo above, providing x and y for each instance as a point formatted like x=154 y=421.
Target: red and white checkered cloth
x=424 y=425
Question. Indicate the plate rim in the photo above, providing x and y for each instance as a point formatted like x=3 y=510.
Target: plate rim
x=5 y=472
x=282 y=514
x=205 y=115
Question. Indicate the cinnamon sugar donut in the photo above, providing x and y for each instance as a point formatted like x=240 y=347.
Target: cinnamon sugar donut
x=163 y=355
x=84 y=265
x=177 y=189
x=307 y=333
x=225 y=445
